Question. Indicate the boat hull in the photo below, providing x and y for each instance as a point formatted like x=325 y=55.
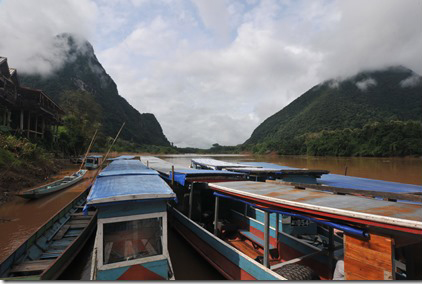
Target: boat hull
x=37 y=241
x=44 y=190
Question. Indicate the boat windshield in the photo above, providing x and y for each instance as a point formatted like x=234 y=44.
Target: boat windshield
x=132 y=240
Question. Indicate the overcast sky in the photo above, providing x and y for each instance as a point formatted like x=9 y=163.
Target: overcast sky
x=212 y=70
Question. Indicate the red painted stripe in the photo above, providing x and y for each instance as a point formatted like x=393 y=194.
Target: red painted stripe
x=261 y=202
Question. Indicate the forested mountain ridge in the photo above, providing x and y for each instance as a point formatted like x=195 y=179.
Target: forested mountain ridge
x=83 y=72
x=381 y=96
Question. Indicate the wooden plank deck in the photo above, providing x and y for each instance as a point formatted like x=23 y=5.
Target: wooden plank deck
x=32 y=266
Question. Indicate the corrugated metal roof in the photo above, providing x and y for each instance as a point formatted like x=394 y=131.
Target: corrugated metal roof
x=394 y=213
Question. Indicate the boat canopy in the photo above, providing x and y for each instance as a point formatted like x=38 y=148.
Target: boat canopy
x=350 y=181
x=128 y=180
x=182 y=173
x=217 y=164
x=95 y=156
x=126 y=167
x=366 y=211
x=124 y=157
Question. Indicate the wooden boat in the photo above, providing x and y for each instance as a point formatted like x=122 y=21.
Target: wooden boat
x=47 y=253
x=261 y=171
x=131 y=240
x=50 y=188
x=263 y=231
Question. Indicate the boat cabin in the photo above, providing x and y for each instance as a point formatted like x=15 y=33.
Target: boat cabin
x=93 y=162
x=131 y=240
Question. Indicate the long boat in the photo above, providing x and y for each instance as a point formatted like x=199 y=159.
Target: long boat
x=52 y=187
x=47 y=253
x=131 y=240
x=268 y=230
x=260 y=172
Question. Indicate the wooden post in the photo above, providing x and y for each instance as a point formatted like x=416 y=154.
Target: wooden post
x=147 y=163
x=266 y=239
x=29 y=124
x=43 y=126
x=217 y=201
x=21 y=121
x=345 y=170
x=9 y=118
x=36 y=125
x=190 y=200
x=172 y=175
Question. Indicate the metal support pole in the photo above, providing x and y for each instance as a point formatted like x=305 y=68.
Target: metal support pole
x=246 y=210
x=331 y=249
x=266 y=239
x=190 y=200
x=147 y=163
x=277 y=221
x=217 y=200
x=172 y=175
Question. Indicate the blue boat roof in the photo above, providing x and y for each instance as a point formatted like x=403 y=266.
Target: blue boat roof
x=95 y=156
x=129 y=187
x=124 y=157
x=366 y=183
x=267 y=165
x=354 y=182
x=126 y=167
x=128 y=180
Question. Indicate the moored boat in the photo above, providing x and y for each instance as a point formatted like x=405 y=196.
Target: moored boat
x=261 y=172
x=50 y=188
x=93 y=162
x=131 y=240
x=47 y=253
x=262 y=230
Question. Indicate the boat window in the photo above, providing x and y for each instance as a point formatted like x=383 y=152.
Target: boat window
x=132 y=239
x=89 y=161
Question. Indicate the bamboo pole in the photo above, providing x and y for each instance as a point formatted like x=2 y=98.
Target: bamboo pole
x=89 y=148
x=109 y=149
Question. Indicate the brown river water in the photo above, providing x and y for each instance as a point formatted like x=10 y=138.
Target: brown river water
x=20 y=218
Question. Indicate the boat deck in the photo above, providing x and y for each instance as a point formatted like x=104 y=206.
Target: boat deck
x=393 y=215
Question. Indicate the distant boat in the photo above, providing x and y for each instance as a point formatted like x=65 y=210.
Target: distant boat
x=47 y=253
x=54 y=186
x=93 y=162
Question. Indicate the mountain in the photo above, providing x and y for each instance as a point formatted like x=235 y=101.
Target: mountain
x=82 y=71
x=391 y=94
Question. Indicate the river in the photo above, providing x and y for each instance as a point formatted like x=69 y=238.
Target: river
x=20 y=218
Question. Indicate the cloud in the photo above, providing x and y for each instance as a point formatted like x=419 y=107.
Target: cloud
x=212 y=71
x=411 y=81
x=28 y=30
x=363 y=85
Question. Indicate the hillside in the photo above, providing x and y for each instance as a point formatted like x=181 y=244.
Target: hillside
x=83 y=72
x=392 y=94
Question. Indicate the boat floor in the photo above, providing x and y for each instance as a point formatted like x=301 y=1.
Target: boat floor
x=53 y=249
x=248 y=249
